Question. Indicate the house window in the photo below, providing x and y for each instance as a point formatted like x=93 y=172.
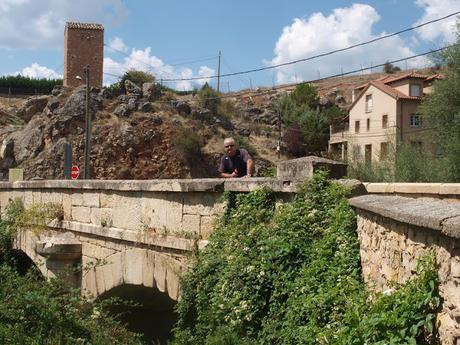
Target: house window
x=368 y=124
x=416 y=120
x=369 y=103
x=368 y=154
x=385 y=121
x=383 y=150
x=356 y=126
x=415 y=90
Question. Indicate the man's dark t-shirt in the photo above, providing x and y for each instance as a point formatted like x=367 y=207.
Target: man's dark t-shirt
x=238 y=161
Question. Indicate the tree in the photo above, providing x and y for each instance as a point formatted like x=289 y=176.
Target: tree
x=441 y=111
x=306 y=121
x=305 y=94
x=137 y=77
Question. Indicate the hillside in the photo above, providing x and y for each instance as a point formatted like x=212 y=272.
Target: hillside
x=137 y=137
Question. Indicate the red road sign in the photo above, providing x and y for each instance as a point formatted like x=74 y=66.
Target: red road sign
x=75 y=172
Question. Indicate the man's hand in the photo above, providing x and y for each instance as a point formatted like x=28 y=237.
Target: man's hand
x=235 y=173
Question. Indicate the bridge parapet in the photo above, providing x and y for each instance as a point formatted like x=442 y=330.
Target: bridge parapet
x=394 y=231
x=124 y=225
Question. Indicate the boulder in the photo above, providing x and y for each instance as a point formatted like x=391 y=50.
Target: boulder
x=122 y=110
x=29 y=142
x=7 y=149
x=145 y=107
x=57 y=90
x=183 y=108
x=132 y=89
x=75 y=107
x=32 y=106
x=123 y=98
x=151 y=92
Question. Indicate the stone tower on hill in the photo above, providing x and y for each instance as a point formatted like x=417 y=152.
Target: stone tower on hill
x=83 y=46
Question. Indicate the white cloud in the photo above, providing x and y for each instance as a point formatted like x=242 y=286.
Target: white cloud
x=40 y=24
x=434 y=9
x=37 y=71
x=143 y=60
x=117 y=44
x=318 y=34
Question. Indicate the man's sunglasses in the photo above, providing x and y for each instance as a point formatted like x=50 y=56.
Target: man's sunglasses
x=227 y=146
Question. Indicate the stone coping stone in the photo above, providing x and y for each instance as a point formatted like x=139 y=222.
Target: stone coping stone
x=303 y=168
x=428 y=213
x=413 y=188
x=170 y=185
x=213 y=185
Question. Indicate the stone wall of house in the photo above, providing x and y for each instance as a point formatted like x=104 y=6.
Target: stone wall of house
x=395 y=231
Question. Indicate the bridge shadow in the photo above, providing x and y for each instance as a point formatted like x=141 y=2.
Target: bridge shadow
x=153 y=315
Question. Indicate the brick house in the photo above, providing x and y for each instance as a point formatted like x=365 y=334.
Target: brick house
x=384 y=112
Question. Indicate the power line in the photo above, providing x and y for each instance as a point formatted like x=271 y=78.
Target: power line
x=270 y=90
x=151 y=67
x=323 y=54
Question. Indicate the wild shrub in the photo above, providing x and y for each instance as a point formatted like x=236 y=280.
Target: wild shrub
x=34 y=311
x=291 y=275
x=188 y=144
x=209 y=98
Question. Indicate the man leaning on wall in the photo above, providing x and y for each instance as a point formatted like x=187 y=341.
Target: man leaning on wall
x=236 y=162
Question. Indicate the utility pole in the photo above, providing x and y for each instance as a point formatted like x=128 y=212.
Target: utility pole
x=218 y=75
x=86 y=174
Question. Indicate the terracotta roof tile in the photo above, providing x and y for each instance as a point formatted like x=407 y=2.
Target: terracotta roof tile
x=392 y=91
x=435 y=76
x=90 y=26
x=405 y=76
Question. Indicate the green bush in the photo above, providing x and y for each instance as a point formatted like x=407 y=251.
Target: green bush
x=209 y=98
x=402 y=167
x=188 y=143
x=34 y=311
x=292 y=276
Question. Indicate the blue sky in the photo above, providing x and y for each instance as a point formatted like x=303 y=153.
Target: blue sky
x=167 y=37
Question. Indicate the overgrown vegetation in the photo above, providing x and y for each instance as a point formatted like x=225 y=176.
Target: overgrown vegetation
x=441 y=110
x=400 y=166
x=188 y=144
x=209 y=98
x=292 y=276
x=137 y=77
x=34 y=311
x=18 y=82
x=306 y=122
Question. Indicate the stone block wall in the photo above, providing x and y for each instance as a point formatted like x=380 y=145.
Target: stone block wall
x=131 y=232
x=395 y=231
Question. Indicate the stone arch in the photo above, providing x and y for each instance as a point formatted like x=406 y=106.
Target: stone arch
x=25 y=242
x=135 y=267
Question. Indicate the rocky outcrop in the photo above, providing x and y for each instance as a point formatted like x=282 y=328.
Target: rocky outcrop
x=32 y=106
x=132 y=89
x=151 y=92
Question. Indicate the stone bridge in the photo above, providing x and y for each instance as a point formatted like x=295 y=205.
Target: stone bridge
x=125 y=232
x=142 y=232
